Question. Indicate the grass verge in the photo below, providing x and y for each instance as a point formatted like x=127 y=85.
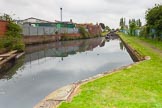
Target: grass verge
x=137 y=87
x=104 y=33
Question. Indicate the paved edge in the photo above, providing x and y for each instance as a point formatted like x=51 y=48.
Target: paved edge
x=52 y=100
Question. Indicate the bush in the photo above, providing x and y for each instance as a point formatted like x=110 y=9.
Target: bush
x=83 y=32
x=19 y=47
x=13 y=30
x=13 y=38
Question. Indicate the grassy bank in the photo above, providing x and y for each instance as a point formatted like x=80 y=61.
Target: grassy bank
x=139 y=86
x=104 y=33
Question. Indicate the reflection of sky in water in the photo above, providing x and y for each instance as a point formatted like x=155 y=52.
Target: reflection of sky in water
x=37 y=78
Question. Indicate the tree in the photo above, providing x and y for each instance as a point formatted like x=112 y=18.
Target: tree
x=6 y=17
x=132 y=27
x=107 y=28
x=102 y=25
x=121 y=23
x=138 y=23
x=154 y=19
x=130 y=21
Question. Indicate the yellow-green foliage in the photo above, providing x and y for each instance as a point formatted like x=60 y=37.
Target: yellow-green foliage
x=83 y=32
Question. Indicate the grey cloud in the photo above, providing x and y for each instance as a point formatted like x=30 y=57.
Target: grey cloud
x=17 y=2
x=106 y=11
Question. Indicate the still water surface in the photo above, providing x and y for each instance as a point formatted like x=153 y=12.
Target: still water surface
x=48 y=67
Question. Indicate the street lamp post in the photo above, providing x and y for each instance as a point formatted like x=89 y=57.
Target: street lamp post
x=61 y=13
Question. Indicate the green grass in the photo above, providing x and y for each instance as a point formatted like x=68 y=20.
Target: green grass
x=137 y=87
x=104 y=33
x=154 y=42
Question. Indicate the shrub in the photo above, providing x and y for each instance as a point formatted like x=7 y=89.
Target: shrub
x=13 y=39
x=13 y=30
x=19 y=47
x=83 y=32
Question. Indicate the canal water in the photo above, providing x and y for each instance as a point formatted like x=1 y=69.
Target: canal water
x=47 y=67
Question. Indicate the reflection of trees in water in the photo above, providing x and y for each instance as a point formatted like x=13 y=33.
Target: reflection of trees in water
x=122 y=47
x=102 y=44
x=61 y=49
x=57 y=49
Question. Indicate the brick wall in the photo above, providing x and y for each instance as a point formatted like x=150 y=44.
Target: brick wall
x=94 y=29
x=71 y=35
x=3 y=27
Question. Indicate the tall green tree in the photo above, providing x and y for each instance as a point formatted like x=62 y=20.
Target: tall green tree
x=130 y=21
x=132 y=28
x=154 y=19
x=107 y=28
x=122 y=23
x=102 y=25
x=138 y=23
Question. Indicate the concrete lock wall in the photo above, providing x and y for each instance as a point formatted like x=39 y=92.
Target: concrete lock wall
x=37 y=31
x=40 y=39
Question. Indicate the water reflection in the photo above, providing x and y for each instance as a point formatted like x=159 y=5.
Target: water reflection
x=60 y=49
x=15 y=65
x=57 y=49
x=47 y=67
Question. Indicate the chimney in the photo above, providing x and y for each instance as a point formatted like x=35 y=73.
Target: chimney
x=71 y=20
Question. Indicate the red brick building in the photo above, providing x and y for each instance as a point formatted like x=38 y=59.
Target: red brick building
x=94 y=29
x=3 y=27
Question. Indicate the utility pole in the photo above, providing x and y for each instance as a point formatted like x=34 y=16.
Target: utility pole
x=61 y=13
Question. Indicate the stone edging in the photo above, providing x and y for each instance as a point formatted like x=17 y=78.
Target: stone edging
x=136 y=56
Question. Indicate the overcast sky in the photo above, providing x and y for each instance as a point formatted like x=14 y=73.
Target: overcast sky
x=81 y=11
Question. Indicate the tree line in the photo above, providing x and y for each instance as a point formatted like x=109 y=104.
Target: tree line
x=152 y=28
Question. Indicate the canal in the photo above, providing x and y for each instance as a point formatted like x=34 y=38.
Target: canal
x=47 y=67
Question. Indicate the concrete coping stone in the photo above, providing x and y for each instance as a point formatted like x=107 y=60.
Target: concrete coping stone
x=61 y=94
